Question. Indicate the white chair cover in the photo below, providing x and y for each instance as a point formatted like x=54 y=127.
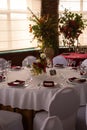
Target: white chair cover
x=86 y=115
x=52 y=123
x=81 y=123
x=60 y=60
x=28 y=60
x=10 y=120
x=84 y=63
x=64 y=104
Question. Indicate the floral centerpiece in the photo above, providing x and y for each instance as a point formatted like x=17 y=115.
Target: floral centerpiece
x=44 y=30
x=71 y=25
x=39 y=66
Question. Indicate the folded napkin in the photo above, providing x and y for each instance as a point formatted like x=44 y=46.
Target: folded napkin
x=48 y=83
x=16 y=67
x=17 y=83
x=59 y=65
x=78 y=80
x=75 y=68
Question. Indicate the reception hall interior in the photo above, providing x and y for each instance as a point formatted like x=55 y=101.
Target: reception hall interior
x=43 y=65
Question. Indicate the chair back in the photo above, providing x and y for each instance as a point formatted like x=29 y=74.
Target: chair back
x=52 y=123
x=65 y=104
x=60 y=60
x=84 y=63
x=10 y=120
x=29 y=60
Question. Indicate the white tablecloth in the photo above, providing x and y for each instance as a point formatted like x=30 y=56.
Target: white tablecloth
x=64 y=74
x=35 y=96
x=26 y=98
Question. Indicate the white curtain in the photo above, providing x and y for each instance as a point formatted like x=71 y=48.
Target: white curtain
x=14 y=24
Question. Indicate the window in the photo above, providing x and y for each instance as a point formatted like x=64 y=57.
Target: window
x=78 y=6
x=14 y=24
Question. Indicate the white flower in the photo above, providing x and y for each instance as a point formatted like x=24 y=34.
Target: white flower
x=42 y=55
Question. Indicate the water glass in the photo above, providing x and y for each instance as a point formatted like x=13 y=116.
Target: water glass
x=8 y=65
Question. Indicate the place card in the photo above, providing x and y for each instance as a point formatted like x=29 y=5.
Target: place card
x=53 y=72
x=48 y=84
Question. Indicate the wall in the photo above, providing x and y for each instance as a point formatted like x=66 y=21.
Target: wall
x=17 y=56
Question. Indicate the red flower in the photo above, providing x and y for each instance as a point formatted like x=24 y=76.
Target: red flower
x=40 y=65
x=71 y=26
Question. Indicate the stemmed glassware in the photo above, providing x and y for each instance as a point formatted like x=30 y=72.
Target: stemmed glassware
x=83 y=70
x=7 y=69
x=8 y=65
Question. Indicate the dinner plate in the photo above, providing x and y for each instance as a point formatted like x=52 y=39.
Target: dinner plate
x=59 y=66
x=16 y=68
x=50 y=84
x=17 y=83
x=75 y=80
x=75 y=68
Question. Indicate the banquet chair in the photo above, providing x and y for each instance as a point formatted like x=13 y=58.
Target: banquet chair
x=84 y=63
x=64 y=104
x=52 y=123
x=60 y=60
x=82 y=118
x=81 y=121
x=10 y=120
x=28 y=60
x=3 y=63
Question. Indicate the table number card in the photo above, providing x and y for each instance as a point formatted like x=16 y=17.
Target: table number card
x=53 y=72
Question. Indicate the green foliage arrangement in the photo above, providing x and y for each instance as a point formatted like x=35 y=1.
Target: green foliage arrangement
x=44 y=29
x=71 y=25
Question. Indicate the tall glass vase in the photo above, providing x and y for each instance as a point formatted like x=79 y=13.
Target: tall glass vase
x=49 y=51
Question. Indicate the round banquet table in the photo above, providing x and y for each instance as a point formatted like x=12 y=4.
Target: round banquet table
x=77 y=57
x=36 y=97
x=26 y=99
